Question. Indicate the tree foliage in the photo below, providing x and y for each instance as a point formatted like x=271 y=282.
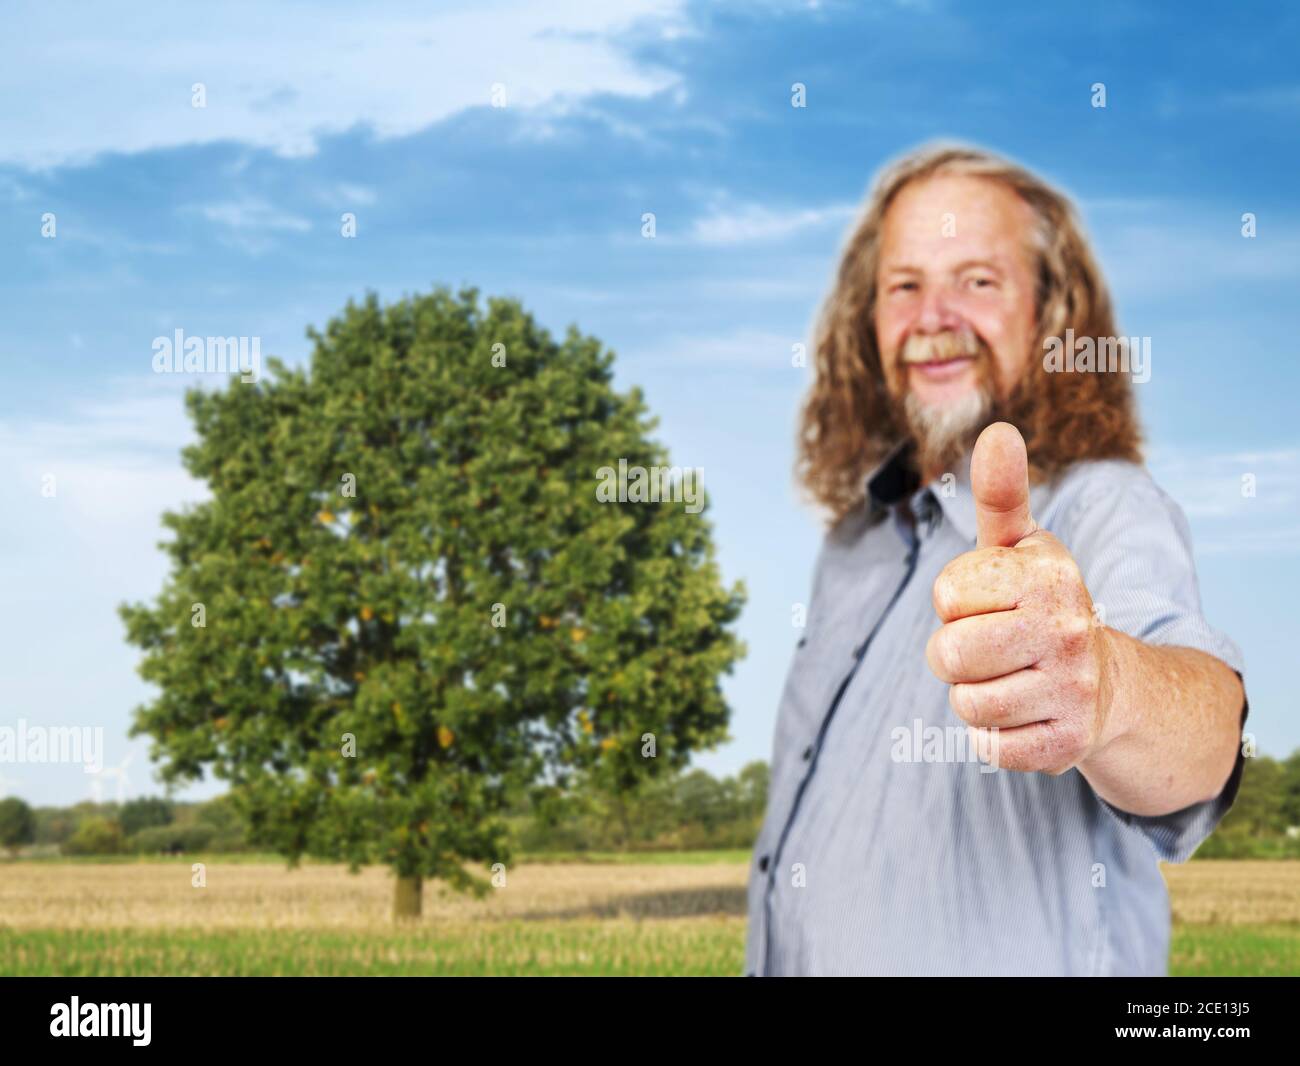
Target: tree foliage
x=404 y=546
x=95 y=836
x=17 y=824
x=144 y=813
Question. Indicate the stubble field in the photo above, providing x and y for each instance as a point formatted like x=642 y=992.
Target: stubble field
x=664 y=915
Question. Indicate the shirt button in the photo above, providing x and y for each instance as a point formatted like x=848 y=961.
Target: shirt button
x=807 y=753
x=762 y=864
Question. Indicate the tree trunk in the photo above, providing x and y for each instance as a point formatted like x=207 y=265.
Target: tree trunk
x=625 y=823
x=408 y=894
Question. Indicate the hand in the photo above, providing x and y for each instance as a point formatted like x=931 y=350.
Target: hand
x=1020 y=645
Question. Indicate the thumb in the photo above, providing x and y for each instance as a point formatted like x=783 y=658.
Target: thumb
x=999 y=479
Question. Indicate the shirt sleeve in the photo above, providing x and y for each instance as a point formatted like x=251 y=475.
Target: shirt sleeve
x=1133 y=546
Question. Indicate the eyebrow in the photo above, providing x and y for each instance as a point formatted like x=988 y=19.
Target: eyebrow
x=966 y=264
x=987 y=264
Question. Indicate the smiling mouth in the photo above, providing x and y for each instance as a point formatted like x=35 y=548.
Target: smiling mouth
x=934 y=360
x=937 y=371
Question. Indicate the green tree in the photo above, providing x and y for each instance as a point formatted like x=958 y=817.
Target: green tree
x=702 y=800
x=223 y=819
x=1291 y=790
x=173 y=839
x=144 y=813
x=17 y=824
x=1257 y=811
x=54 y=825
x=95 y=836
x=219 y=813
x=1256 y=825
x=753 y=782
x=404 y=599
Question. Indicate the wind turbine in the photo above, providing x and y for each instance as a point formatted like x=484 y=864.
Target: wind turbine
x=118 y=773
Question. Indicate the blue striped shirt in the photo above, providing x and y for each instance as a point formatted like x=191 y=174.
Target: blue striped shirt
x=887 y=846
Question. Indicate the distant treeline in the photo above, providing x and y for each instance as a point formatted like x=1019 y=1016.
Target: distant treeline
x=690 y=810
x=147 y=826
x=681 y=812
x=1264 y=822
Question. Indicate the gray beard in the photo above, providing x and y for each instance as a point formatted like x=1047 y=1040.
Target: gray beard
x=944 y=434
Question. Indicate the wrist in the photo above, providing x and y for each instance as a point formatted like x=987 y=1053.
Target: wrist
x=1112 y=720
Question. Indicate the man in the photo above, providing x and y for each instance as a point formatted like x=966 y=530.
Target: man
x=1006 y=707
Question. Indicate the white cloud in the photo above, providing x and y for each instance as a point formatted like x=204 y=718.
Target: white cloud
x=754 y=222
x=749 y=348
x=1238 y=502
x=1173 y=250
x=115 y=460
x=1210 y=486
x=1284 y=541
x=13 y=190
x=118 y=77
x=253 y=215
x=355 y=194
x=1276 y=98
x=248 y=223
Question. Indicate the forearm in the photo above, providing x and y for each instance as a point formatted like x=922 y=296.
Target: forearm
x=1171 y=727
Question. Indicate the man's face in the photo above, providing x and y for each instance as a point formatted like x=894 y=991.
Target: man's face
x=955 y=311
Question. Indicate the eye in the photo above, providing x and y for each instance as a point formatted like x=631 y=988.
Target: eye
x=981 y=281
x=903 y=286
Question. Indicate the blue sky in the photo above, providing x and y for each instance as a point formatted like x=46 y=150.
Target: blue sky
x=224 y=220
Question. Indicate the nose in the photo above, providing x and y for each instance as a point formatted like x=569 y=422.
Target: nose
x=935 y=313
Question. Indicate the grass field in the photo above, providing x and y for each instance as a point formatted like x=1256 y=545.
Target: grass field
x=657 y=914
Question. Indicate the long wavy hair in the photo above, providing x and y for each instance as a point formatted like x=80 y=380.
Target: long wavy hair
x=849 y=420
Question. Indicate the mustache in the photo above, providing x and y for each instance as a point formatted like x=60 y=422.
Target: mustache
x=941 y=347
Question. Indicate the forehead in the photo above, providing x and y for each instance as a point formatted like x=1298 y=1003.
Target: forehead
x=951 y=218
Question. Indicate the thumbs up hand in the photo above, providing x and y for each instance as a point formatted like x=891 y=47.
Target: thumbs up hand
x=1019 y=644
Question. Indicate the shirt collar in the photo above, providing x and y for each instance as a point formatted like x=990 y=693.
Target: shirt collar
x=892 y=478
